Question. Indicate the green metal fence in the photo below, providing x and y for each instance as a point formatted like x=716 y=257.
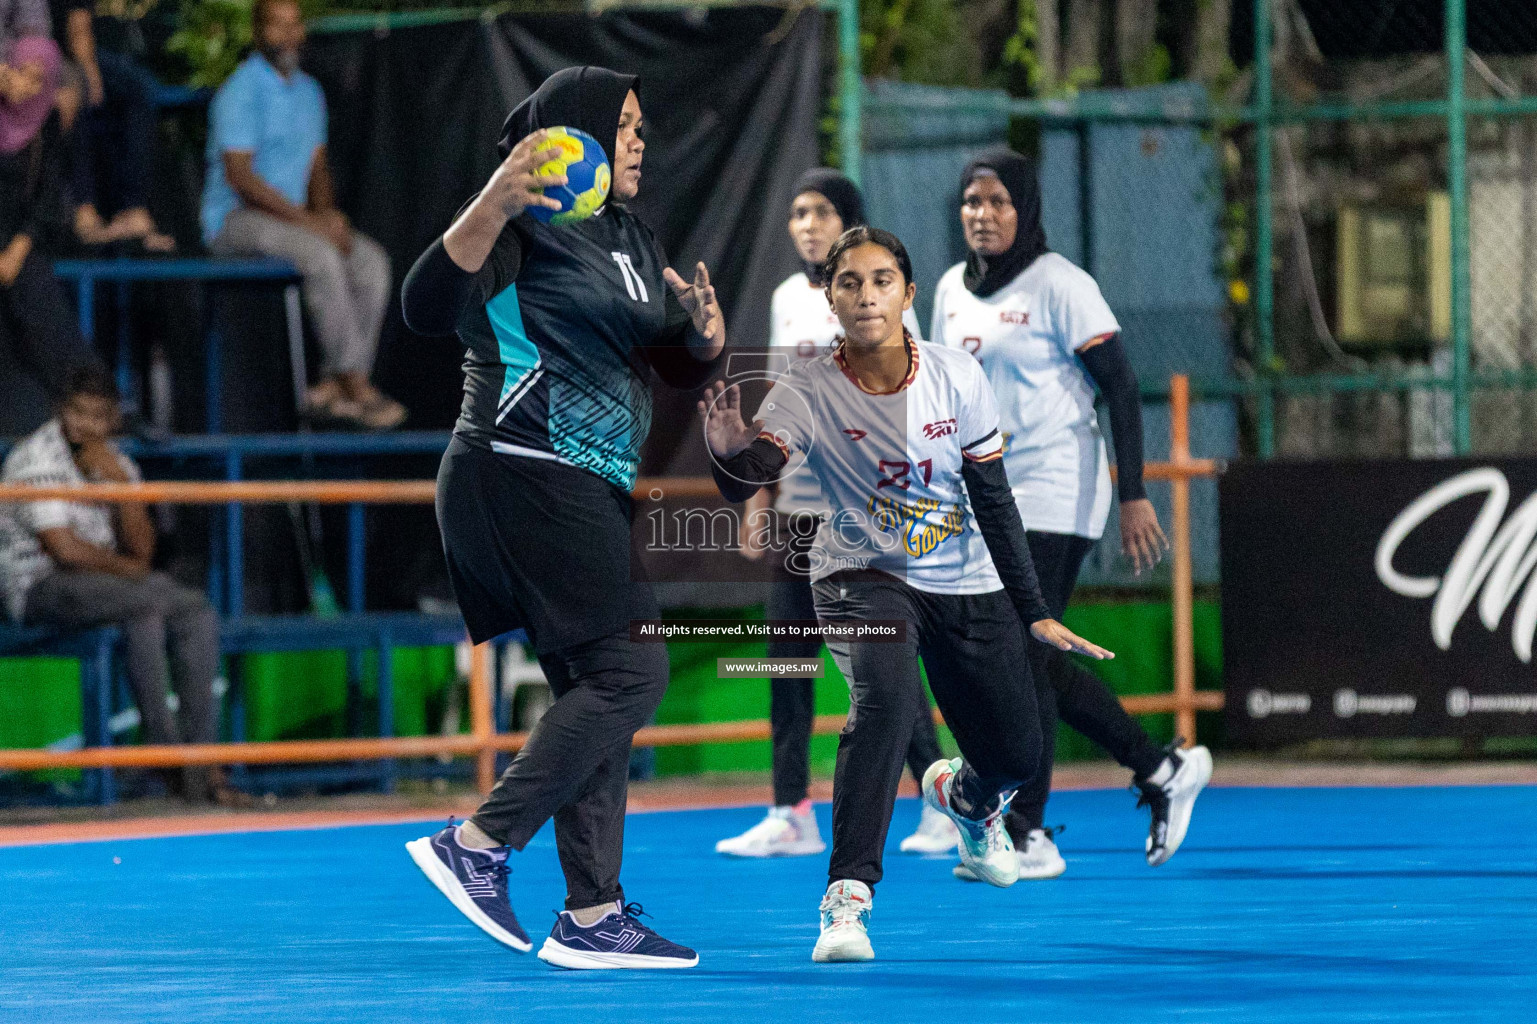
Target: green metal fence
x=1384 y=270
x=1351 y=126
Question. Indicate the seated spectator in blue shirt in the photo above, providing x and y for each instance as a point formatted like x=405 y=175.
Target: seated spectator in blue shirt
x=268 y=192
x=79 y=565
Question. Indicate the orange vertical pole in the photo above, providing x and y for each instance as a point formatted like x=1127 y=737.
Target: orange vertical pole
x=1184 y=588
x=480 y=717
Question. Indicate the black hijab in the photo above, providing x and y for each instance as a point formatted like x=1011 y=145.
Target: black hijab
x=587 y=97
x=986 y=274
x=837 y=189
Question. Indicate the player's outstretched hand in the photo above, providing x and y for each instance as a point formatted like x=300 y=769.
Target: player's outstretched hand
x=1050 y=631
x=517 y=184
x=1142 y=539
x=724 y=429
x=698 y=298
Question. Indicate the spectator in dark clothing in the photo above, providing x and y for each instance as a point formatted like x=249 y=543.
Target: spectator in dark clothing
x=115 y=132
x=22 y=74
x=36 y=326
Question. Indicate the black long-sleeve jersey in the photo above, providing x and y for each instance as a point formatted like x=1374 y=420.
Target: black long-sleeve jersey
x=560 y=325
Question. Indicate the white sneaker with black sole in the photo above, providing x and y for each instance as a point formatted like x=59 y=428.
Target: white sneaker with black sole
x=1172 y=801
x=783 y=833
x=845 y=935
x=936 y=834
x=1039 y=858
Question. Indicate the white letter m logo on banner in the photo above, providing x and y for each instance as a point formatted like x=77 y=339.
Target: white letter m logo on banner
x=1498 y=558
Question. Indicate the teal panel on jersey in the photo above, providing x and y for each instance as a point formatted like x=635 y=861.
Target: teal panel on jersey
x=599 y=425
x=517 y=351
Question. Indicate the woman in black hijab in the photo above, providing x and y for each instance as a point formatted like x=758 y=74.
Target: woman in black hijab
x=1047 y=340
x=562 y=326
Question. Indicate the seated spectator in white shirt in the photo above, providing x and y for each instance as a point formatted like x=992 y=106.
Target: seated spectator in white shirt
x=268 y=192
x=80 y=565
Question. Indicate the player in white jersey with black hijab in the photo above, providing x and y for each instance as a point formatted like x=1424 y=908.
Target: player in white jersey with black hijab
x=903 y=438
x=802 y=326
x=1046 y=338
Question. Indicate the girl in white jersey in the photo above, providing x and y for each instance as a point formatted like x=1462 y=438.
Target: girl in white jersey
x=1045 y=337
x=923 y=539
x=802 y=326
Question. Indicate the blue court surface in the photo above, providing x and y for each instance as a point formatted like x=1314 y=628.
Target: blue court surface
x=1284 y=905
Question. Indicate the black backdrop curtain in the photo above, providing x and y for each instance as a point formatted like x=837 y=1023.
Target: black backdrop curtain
x=731 y=99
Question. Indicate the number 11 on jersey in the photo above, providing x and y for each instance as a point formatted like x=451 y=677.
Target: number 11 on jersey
x=632 y=282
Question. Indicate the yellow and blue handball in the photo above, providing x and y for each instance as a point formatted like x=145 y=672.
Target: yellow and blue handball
x=588 y=177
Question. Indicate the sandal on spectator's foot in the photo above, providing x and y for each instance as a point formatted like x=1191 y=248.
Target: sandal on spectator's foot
x=379 y=411
x=325 y=405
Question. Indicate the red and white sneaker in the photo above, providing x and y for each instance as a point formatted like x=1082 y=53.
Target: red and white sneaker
x=786 y=832
x=845 y=933
x=985 y=846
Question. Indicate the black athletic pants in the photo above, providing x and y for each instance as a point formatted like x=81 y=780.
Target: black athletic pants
x=974 y=649
x=535 y=543
x=576 y=766
x=792 y=702
x=1067 y=690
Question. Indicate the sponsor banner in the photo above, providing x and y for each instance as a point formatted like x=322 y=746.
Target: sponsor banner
x=1384 y=598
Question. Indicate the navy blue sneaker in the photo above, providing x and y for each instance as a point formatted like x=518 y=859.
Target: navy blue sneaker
x=475 y=881
x=618 y=940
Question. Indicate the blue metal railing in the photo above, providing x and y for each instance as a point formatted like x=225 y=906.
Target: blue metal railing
x=226 y=568
x=124 y=272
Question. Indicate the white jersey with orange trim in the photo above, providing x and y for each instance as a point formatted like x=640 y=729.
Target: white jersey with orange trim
x=802 y=325
x=1026 y=335
x=890 y=465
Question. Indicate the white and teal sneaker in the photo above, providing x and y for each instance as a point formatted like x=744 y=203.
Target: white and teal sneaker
x=845 y=922
x=1039 y=859
x=985 y=845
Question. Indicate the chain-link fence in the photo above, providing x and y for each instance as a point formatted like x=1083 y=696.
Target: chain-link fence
x=1380 y=159
x=1402 y=201
x=1384 y=177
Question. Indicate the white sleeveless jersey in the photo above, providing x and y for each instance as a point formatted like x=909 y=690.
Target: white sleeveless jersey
x=889 y=466
x=1025 y=335
x=802 y=326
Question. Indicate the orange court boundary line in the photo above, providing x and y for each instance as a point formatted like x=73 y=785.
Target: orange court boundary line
x=704 y=798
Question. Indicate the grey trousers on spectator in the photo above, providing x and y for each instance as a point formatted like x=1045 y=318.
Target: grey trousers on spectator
x=150 y=612
x=346 y=295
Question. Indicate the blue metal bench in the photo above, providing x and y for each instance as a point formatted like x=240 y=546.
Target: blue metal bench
x=229 y=451
x=354 y=633
x=94 y=648
x=124 y=272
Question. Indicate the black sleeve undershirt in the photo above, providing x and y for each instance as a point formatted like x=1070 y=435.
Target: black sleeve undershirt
x=672 y=353
x=1111 y=371
x=992 y=502
x=740 y=476
x=437 y=290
